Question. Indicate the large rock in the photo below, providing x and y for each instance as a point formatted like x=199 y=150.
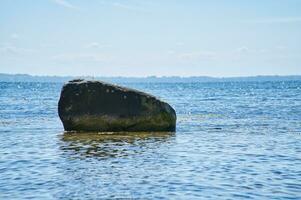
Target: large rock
x=98 y=106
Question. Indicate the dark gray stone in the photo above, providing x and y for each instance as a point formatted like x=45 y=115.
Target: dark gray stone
x=98 y=106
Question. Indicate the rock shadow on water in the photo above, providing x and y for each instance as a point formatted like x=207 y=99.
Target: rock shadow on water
x=104 y=145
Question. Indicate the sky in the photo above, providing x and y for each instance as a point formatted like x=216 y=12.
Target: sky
x=220 y=38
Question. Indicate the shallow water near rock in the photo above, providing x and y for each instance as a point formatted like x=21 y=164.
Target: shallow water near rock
x=234 y=140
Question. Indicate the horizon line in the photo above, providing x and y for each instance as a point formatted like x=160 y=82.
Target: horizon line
x=149 y=76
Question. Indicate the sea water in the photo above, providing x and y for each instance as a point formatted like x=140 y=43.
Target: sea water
x=234 y=140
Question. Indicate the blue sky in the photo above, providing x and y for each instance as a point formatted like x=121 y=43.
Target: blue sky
x=141 y=38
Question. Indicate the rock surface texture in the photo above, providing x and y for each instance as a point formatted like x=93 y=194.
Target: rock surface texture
x=98 y=106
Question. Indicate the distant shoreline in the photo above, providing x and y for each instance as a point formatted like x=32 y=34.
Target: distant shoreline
x=168 y=79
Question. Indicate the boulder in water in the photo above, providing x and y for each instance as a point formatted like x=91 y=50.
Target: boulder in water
x=98 y=106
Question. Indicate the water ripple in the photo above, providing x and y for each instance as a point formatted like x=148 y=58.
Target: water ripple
x=233 y=141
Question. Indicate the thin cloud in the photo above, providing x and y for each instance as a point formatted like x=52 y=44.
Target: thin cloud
x=197 y=55
x=93 y=45
x=65 y=4
x=13 y=50
x=243 y=49
x=81 y=57
x=15 y=36
x=96 y=45
x=276 y=20
x=123 y=5
x=180 y=44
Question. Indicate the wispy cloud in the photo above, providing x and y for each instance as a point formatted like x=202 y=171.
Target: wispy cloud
x=180 y=44
x=247 y=50
x=276 y=20
x=243 y=49
x=131 y=6
x=197 y=55
x=96 y=45
x=65 y=4
x=124 y=6
x=241 y=52
x=81 y=57
x=13 y=50
x=14 y=36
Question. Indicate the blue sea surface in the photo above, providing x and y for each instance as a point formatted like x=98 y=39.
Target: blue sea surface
x=234 y=140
